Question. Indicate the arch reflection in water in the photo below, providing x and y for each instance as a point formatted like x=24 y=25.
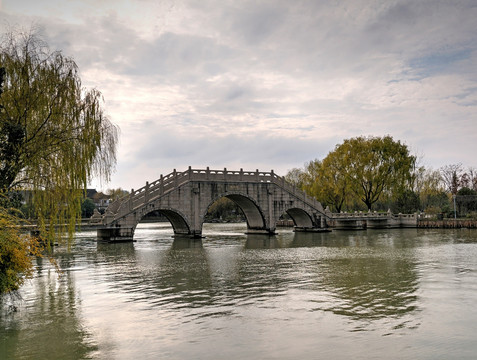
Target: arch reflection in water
x=359 y=275
x=262 y=242
x=186 y=242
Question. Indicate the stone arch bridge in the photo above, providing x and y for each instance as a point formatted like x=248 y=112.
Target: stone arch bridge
x=184 y=198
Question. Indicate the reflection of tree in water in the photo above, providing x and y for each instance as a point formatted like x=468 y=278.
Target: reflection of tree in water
x=370 y=288
x=371 y=276
x=51 y=326
x=365 y=276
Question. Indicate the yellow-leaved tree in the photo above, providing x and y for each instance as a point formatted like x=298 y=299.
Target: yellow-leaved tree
x=16 y=251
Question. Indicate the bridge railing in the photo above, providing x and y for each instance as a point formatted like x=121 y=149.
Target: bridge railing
x=371 y=215
x=229 y=175
x=252 y=176
x=309 y=200
x=174 y=179
x=360 y=214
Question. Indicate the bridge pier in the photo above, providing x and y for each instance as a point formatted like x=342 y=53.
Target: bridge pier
x=193 y=235
x=268 y=232
x=311 y=229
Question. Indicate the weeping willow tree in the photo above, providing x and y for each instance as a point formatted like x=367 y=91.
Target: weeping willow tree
x=54 y=135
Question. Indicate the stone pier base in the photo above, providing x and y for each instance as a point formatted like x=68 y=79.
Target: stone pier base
x=260 y=232
x=311 y=230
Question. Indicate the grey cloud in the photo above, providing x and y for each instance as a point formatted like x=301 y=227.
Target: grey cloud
x=255 y=150
x=267 y=76
x=414 y=29
x=256 y=22
x=110 y=43
x=439 y=62
x=103 y=41
x=175 y=54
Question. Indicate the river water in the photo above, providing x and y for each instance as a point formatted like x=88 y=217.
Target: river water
x=373 y=294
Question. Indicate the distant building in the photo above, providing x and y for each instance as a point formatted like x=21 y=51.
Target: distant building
x=101 y=200
x=90 y=193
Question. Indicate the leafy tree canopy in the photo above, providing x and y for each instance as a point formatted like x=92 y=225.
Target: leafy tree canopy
x=295 y=177
x=87 y=208
x=360 y=168
x=374 y=165
x=116 y=193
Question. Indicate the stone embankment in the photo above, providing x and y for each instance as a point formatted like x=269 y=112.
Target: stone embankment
x=448 y=224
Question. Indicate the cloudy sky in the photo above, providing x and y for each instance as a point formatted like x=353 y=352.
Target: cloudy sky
x=268 y=84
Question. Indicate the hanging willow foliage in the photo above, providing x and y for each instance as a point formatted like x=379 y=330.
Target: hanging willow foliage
x=54 y=136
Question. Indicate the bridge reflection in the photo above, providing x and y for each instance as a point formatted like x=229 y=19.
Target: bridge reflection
x=364 y=276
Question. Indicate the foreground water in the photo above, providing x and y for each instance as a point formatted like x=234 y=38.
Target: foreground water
x=402 y=294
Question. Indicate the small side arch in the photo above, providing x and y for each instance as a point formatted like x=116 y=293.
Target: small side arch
x=300 y=217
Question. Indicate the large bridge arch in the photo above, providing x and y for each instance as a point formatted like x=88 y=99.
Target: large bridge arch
x=178 y=220
x=251 y=210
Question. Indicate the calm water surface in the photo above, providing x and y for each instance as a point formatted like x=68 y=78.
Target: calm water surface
x=394 y=294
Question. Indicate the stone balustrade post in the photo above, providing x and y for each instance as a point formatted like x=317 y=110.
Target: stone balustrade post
x=161 y=185
x=130 y=204
x=146 y=192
